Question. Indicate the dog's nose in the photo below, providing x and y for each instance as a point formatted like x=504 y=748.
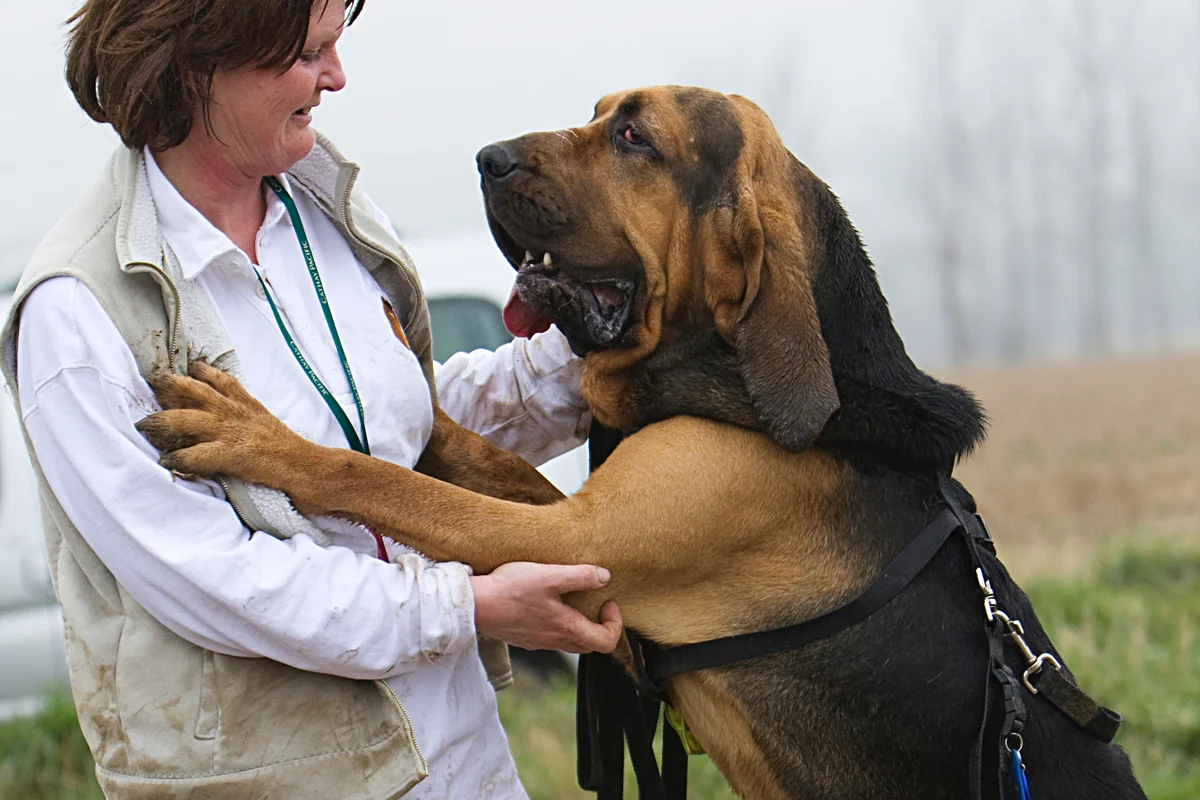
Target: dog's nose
x=496 y=162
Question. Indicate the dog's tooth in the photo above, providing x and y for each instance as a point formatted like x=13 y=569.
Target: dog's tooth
x=528 y=257
x=546 y=260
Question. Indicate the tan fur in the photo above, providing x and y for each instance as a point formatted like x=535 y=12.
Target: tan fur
x=722 y=726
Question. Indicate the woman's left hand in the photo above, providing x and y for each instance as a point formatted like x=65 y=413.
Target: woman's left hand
x=521 y=603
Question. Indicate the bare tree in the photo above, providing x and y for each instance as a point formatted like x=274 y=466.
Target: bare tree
x=948 y=180
x=1044 y=166
x=1012 y=207
x=1151 y=305
x=1086 y=47
x=1008 y=141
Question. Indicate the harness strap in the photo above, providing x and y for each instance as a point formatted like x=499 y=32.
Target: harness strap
x=610 y=713
x=1047 y=680
x=658 y=663
x=1063 y=694
x=599 y=745
x=674 y=762
x=600 y=748
x=600 y=752
x=985 y=760
x=972 y=523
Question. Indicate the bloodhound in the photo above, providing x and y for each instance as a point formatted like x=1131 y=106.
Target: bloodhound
x=781 y=448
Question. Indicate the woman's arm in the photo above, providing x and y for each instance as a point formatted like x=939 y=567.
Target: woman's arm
x=524 y=397
x=178 y=547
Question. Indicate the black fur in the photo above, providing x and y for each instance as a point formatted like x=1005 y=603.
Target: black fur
x=889 y=708
x=891 y=412
x=697 y=376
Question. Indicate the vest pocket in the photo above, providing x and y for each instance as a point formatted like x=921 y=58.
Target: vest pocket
x=208 y=716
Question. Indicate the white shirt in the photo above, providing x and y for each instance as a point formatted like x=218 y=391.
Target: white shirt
x=179 y=549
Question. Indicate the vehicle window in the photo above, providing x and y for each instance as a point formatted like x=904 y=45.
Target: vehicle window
x=464 y=324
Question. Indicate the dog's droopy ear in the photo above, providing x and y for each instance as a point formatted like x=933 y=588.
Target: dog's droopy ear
x=774 y=326
x=785 y=363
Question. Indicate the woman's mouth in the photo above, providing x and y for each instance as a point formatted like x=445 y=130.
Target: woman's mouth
x=303 y=115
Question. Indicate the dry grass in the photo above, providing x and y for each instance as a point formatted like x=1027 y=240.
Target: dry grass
x=1080 y=455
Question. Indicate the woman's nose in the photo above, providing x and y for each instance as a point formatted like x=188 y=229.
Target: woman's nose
x=333 y=79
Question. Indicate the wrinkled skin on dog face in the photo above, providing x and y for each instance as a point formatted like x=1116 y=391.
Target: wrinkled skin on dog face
x=706 y=272
x=642 y=228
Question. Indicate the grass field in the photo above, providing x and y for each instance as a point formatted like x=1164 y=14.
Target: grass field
x=1091 y=484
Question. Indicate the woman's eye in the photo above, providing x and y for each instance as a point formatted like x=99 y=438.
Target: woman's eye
x=310 y=56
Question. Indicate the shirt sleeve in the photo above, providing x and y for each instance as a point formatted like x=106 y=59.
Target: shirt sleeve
x=180 y=550
x=524 y=397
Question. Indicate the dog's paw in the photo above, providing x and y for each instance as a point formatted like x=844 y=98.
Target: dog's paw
x=210 y=425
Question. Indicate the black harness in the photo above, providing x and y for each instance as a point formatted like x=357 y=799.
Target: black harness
x=614 y=710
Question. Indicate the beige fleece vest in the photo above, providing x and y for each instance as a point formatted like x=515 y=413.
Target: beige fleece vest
x=164 y=718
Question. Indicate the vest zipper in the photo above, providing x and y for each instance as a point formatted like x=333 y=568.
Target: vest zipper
x=177 y=322
x=229 y=499
x=412 y=734
x=346 y=223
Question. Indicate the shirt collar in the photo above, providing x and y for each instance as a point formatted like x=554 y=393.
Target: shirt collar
x=195 y=241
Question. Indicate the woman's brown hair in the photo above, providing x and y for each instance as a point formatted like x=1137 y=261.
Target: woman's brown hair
x=146 y=66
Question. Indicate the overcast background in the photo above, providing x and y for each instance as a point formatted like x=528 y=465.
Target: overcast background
x=1026 y=174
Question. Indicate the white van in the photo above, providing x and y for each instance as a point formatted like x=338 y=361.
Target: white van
x=466 y=281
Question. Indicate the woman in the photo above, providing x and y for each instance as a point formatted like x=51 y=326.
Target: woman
x=220 y=645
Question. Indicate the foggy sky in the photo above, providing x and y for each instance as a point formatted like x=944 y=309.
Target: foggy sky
x=431 y=82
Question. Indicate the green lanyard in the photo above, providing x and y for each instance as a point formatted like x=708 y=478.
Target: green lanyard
x=362 y=446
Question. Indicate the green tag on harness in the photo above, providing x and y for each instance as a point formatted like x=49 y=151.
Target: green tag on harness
x=690 y=745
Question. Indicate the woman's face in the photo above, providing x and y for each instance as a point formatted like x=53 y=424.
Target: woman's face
x=260 y=117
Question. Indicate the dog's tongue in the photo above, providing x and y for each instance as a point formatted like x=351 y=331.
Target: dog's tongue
x=521 y=320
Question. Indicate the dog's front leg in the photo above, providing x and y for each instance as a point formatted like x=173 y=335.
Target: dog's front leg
x=644 y=515
x=213 y=426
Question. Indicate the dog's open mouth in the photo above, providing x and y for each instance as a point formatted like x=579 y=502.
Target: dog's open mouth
x=593 y=314
x=543 y=292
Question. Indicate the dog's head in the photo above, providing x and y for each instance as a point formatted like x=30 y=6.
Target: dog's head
x=677 y=214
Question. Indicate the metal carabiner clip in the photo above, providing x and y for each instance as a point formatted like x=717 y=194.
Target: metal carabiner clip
x=1036 y=667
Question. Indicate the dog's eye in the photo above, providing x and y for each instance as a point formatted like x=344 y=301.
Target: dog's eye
x=629 y=137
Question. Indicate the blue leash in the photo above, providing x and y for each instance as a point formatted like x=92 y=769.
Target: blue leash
x=1018 y=770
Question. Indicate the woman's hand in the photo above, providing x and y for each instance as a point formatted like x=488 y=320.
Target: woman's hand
x=521 y=603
